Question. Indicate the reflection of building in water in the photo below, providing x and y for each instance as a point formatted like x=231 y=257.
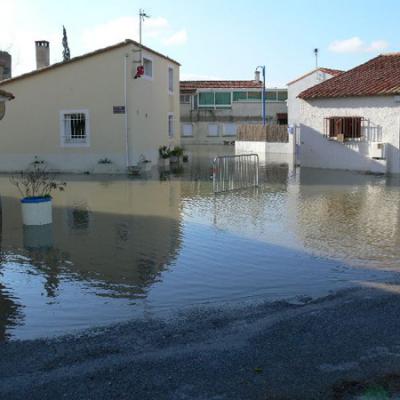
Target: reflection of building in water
x=350 y=216
x=119 y=237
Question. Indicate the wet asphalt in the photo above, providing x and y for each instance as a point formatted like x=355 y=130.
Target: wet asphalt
x=281 y=350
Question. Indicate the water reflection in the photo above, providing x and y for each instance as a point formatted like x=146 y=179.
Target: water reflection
x=121 y=247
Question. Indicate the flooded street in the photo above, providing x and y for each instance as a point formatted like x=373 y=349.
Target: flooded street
x=122 y=248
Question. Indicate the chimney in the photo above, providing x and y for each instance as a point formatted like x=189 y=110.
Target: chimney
x=5 y=65
x=42 y=53
x=257 y=76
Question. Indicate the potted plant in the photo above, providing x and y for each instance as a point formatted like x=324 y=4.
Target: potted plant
x=35 y=186
x=105 y=166
x=176 y=154
x=164 y=153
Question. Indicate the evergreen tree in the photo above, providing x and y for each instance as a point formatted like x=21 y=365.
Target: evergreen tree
x=66 y=51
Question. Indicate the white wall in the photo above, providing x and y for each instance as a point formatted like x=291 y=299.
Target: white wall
x=316 y=151
x=295 y=88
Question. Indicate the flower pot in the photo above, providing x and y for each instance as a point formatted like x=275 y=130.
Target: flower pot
x=36 y=210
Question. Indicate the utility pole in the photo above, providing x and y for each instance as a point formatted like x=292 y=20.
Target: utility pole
x=263 y=99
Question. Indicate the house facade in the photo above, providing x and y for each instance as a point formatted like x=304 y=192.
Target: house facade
x=75 y=114
x=211 y=111
x=302 y=83
x=352 y=121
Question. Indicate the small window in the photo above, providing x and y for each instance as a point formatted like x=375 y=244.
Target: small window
x=229 y=129
x=212 y=130
x=74 y=127
x=148 y=67
x=344 y=128
x=170 y=80
x=171 y=128
x=187 y=130
x=185 y=98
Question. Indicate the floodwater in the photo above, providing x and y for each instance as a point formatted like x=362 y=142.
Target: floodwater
x=122 y=248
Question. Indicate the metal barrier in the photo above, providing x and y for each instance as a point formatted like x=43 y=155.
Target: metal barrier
x=235 y=172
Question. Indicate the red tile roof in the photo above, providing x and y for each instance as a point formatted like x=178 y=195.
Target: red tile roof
x=330 y=71
x=377 y=77
x=192 y=85
x=84 y=56
x=5 y=94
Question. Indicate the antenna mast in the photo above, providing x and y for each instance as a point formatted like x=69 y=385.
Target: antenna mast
x=316 y=57
x=142 y=16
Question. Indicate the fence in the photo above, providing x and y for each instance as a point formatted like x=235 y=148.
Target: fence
x=235 y=172
x=260 y=133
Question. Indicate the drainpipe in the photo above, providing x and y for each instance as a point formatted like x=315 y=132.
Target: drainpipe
x=127 y=161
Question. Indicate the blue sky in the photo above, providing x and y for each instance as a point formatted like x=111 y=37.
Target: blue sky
x=217 y=39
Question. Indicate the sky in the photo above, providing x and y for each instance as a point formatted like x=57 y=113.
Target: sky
x=217 y=39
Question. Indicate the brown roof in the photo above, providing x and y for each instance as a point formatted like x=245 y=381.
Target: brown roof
x=333 y=72
x=192 y=85
x=5 y=94
x=82 y=57
x=377 y=77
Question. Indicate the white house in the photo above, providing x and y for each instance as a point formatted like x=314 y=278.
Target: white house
x=212 y=110
x=302 y=83
x=91 y=109
x=352 y=121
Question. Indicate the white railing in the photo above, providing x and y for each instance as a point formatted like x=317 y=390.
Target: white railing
x=235 y=172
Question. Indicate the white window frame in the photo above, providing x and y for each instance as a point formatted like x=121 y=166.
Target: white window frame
x=171 y=91
x=183 y=130
x=63 y=142
x=188 y=96
x=148 y=58
x=224 y=129
x=171 y=135
x=217 y=130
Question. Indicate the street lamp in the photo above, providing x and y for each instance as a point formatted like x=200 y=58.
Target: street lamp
x=264 y=115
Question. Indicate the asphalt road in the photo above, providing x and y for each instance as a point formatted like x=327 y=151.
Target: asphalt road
x=335 y=347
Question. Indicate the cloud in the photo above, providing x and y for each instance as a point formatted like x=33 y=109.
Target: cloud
x=177 y=39
x=356 y=45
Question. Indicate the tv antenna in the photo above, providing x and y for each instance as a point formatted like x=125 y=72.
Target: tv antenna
x=142 y=17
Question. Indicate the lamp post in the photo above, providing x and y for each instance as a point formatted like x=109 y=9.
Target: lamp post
x=264 y=111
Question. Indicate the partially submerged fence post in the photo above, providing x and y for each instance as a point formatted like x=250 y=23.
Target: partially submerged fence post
x=235 y=172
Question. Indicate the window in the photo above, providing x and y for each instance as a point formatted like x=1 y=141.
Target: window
x=343 y=128
x=185 y=98
x=206 y=99
x=254 y=95
x=170 y=80
x=282 y=95
x=74 y=128
x=212 y=130
x=187 y=130
x=229 y=129
x=214 y=99
x=171 y=128
x=148 y=68
x=270 y=95
x=222 y=99
x=239 y=96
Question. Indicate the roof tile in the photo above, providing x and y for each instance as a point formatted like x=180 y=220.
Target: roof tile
x=377 y=77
